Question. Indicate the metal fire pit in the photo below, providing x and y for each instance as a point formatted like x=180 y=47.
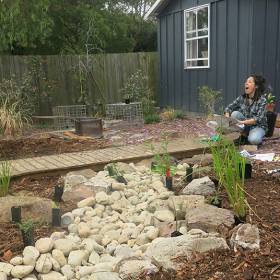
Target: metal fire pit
x=89 y=127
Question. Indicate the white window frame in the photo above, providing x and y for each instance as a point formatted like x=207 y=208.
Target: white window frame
x=196 y=9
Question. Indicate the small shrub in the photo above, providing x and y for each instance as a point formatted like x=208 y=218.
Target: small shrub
x=5 y=178
x=208 y=99
x=168 y=114
x=151 y=118
x=179 y=114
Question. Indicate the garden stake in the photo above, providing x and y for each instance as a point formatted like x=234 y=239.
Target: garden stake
x=58 y=192
x=16 y=214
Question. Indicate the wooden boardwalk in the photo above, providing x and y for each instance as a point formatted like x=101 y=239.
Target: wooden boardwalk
x=180 y=148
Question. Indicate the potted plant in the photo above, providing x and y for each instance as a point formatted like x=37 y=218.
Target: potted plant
x=16 y=214
x=58 y=190
x=27 y=232
x=270 y=102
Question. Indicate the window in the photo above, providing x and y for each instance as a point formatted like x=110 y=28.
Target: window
x=197 y=40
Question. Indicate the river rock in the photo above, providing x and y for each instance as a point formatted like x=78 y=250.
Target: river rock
x=44 y=245
x=105 y=275
x=44 y=264
x=83 y=230
x=76 y=257
x=16 y=260
x=72 y=180
x=202 y=186
x=3 y=276
x=30 y=255
x=59 y=257
x=6 y=268
x=53 y=275
x=90 y=201
x=20 y=271
x=64 y=245
x=68 y=271
x=164 y=215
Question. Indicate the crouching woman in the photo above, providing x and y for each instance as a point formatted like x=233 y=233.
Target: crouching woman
x=250 y=110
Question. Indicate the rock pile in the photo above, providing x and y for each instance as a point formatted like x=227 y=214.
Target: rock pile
x=118 y=232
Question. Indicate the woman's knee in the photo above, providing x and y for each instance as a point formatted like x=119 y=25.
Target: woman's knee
x=237 y=115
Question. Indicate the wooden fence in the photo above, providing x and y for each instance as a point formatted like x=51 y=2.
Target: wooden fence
x=62 y=80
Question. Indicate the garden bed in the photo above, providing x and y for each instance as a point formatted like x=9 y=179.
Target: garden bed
x=263 y=197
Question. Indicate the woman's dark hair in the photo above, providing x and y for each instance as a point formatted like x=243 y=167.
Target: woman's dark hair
x=260 y=82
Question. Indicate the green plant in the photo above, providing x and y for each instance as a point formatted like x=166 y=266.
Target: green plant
x=151 y=118
x=115 y=173
x=5 y=177
x=162 y=159
x=270 y=98
x=26 y=226
x=229 y=167
x=179 y=114
x=208 y=99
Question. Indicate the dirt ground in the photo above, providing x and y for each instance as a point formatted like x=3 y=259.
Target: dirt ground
x=263 y=196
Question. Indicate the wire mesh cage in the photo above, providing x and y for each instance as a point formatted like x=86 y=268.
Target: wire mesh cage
x=66 y=115
x=130 y=113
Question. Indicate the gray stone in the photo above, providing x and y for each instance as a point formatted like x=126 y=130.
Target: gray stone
x=94 y=258
x=44 y=245
x=246 y=236
x=164 y=215
x=209 y=218
x=20 y=271
x=76 y=257
x=68 y=271
x=77 y=193
x=67 y=219
x=201 y=186
x=90 y=244
x=97 y=184
x=35 y=208
x=133 y=269
x=90 y=201
x=102 y=198
x=166 y=250
x=72 y=180
x=87 y=173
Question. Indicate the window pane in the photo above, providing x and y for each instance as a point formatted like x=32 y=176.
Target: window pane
x=202 y=18
x=203 y=48
x=190 y=21
x=191 y=63
x=191 y=35
x=192 y=49
x=203 y=32
x=197 y=63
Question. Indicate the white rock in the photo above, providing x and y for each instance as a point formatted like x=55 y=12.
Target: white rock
x=116 y=196
x=16 y=260
x=105 y=276
x=3 y=276
x=30 y=255
x=67 y=219
x=73 y=228
x=124 y=251
x=59 y=257
x=100 y=267
x=57 y=235
x=90 y=244
x=6 y=268
x=76 y=257
x=84 y=271
x=118 y=186
x=102 y=198
x=78 y=212
x=94 y=258
x=30 y=277
x=44 y=264
x=83 y=230
x=68 y=271
x=99 y=184
x=53 y=275
x=44 y=245
x=71 y=181
x=55 y=264
x=164 y=215
x=20 y=271
x=201 y=186
x=90 y=201
x=64 y=245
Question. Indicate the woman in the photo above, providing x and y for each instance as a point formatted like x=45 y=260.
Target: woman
x=250 y=110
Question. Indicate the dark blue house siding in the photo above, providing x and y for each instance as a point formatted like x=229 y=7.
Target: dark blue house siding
x=244 y=39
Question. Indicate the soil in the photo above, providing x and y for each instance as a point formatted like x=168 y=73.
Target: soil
x=263 y=197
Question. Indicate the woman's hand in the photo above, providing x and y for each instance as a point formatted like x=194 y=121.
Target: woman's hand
x=227 y=115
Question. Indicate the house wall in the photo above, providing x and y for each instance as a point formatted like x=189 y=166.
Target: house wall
x=266 y=42
x=231 y=26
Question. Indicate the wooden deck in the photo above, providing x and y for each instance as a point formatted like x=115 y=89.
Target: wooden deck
x=180 y=148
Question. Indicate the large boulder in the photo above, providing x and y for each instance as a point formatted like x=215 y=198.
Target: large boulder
x=77 y=193
x=165 y=251
x=87 y=173
x=209 y=218
x=202 y=186
x=246 y=236
x=36 y=208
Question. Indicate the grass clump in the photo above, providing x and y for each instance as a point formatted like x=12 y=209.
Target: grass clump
x=229 y=167
x=151 y=118
x=5 y=178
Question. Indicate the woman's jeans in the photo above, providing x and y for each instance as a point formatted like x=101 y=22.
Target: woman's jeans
x=255 y=134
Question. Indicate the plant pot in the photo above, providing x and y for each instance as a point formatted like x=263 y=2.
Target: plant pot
x=28 y=237
x=58 y=192
x=248 y=171
x=127 y=101
x=271 y=120
x=239 y=220
x=270 y=107
x=56 y=217
x=169 y=183
x=176 y=233
x=16 y=214
x=189 y=173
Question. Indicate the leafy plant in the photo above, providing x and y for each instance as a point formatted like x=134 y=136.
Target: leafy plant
x=162 y=159
x=151 y=118
x=179 y=114
x=5 y=177
x=170 y=114
x=208 y=99
x=26 y=226
x=229 y=167
x=270 y=98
